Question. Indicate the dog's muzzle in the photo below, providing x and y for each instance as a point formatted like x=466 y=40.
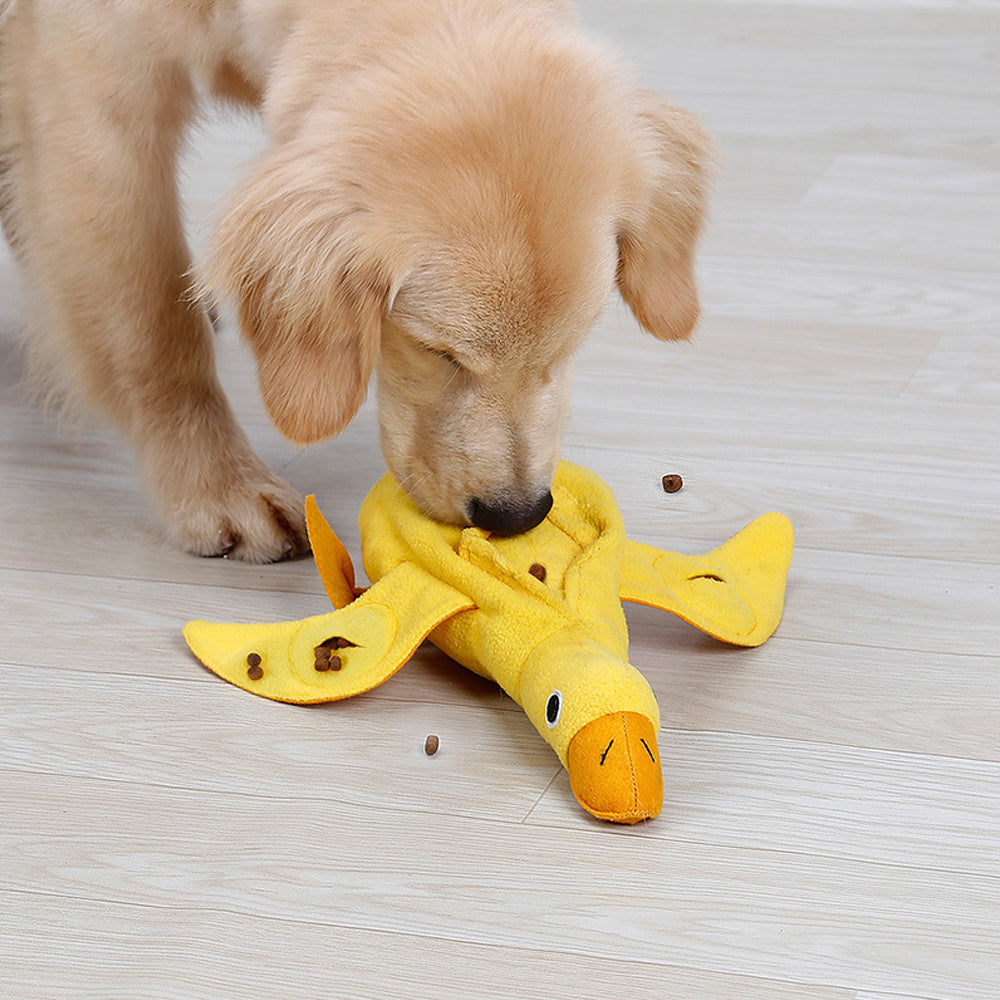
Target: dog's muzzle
x=509 y=518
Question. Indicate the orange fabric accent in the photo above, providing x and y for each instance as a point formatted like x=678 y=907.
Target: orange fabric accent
x=614 y=768
x=332 y=558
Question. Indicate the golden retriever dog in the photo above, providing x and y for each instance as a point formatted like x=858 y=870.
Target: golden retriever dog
x=452 y=191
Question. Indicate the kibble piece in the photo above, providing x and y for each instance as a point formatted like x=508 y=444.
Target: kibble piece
x=672 y=483
x=335 y=642
x=431 y=745
x=255 y=672
x=537 y=570
x=253 y=660
x=336 y=663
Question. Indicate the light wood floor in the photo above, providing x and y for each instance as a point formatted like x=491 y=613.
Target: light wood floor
x=832 y=819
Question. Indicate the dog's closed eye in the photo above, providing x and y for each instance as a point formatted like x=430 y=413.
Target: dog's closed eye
x=447 y=356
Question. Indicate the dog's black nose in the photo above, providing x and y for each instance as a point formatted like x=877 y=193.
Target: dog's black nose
x=509 y=518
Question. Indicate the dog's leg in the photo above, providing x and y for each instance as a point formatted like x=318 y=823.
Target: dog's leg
x=90 y=144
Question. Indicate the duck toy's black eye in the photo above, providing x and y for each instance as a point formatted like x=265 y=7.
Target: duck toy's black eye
x=553 y=709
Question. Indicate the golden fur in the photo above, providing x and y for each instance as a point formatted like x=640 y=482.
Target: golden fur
x=453 y=190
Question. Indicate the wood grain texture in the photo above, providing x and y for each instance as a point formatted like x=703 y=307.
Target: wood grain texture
x=176 y=952
x=756 y=912
x=831 y=828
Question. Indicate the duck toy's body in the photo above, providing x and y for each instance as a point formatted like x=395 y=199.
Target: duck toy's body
x=539 y=613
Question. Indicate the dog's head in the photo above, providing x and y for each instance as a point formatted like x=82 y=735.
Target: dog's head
x=460 y=238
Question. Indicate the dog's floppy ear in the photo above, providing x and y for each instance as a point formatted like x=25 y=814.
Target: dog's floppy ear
x=296 y=254
x=657 y=237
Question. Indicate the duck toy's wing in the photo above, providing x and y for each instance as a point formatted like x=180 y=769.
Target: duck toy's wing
x=336 y=655
x=734 y=593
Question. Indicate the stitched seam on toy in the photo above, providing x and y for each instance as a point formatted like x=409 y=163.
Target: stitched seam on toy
x=631 y=762
x=695 y=614
x=558 y=627
x=481 y=555
x=421 y=635
x=565 y=522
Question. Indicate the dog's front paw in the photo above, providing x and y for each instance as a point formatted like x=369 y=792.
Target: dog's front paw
x=257 y=521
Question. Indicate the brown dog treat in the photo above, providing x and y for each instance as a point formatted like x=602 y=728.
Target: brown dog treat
x=322 y=664
x=255 y=672
x=672 y=483
x=336 y=642
x=431 y=745
x=336 y=663
x=253 y=660
x=537 y=570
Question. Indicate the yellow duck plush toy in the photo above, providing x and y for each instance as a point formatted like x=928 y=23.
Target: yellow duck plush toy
x=539 y=613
